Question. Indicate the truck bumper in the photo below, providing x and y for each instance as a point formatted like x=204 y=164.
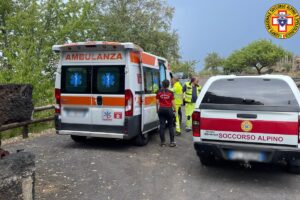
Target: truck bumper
x=274 y=154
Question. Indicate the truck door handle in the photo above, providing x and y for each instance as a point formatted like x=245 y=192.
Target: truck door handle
x=247 y=116
x=99 y=100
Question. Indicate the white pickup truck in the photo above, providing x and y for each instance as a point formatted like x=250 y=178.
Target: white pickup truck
x=248 y=119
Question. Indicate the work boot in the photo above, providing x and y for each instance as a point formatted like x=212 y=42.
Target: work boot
x=178 y=133
x=162 y=144
x=172 y=144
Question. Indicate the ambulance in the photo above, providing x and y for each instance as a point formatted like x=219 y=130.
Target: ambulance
x=107 y=90
x=248 y=119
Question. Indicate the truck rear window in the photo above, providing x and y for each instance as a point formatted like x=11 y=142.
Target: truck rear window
x=250 y=91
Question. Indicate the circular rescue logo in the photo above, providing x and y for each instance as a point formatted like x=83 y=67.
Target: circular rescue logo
x=282 y=21
x=246 y=126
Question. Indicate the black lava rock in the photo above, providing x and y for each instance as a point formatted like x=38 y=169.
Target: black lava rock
x=15 y=103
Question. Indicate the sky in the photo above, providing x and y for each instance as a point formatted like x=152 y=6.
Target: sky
x=223 y=26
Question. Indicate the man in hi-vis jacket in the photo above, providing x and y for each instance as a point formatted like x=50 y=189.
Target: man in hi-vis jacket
x=191 y=91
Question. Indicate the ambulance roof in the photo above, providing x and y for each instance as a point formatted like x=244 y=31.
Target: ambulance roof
x=95 y=45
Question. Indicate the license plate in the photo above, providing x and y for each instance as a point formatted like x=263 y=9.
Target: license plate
x=76 y=114
x=247 y=156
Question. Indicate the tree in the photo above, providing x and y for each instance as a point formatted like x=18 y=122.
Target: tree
x=212 y=61
x=187 y=67
x=144 y=22
x=261 y=54
x=235 y=63
x=29 y=28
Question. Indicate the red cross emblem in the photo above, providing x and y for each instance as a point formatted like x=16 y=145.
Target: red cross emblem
x=282 y=21
x=118 y=115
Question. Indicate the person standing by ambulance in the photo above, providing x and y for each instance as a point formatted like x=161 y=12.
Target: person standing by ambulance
x=191 y=91
x=164 y=107
x=178 y=99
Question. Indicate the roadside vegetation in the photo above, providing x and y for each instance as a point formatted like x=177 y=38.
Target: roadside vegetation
x=29 y=28
x=258 y=57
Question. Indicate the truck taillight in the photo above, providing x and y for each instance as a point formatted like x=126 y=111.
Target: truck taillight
x=128 y=103
x=196 y=116
x=57 y=98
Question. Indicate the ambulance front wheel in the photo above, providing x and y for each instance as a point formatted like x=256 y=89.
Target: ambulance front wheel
x=78 y=139
x=141 y=139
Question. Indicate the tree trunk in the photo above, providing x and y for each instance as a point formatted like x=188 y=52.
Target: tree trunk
x=258 y=69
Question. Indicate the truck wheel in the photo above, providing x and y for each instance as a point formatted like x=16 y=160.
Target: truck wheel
x=78 y=139
x=294 y=167
x=207 y=160
x=142 y=139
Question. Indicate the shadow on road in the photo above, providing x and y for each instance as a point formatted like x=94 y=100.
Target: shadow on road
x=109 y=144
x=260 y=174
x=102 y=144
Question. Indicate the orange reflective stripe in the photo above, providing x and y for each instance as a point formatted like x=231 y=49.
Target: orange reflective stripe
x=87 y=101
x=134 y=57
x=148 y=59
x=150 y=101
x=69 y=100
x=111 y=43
x=113 y=101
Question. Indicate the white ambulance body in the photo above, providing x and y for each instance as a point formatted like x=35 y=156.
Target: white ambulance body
x=107 y=90
x=249 y=119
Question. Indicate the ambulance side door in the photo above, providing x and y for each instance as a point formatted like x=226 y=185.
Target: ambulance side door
x=151 y=86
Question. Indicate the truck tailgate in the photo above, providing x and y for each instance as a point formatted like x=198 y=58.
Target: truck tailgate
x=261 y=127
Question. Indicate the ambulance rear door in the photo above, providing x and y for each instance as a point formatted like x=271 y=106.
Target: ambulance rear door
x=108 y=97
x=75 y=97
x=108 y=92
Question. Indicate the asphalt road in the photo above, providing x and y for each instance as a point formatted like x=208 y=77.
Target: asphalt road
x=109 y=169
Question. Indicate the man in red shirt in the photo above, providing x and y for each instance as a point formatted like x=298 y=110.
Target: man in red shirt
x=164 y=106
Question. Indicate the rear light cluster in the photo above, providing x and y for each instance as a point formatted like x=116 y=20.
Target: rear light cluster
x=128 y=103
x=196 y=123
x=58 y=102
x=299 y=129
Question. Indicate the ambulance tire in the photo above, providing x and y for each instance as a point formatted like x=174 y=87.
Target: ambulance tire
x=207 y=160
x=78 y=139
x=141 y=139
x=294 y=168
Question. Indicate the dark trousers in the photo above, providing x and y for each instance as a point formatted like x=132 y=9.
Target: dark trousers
x=166 y=115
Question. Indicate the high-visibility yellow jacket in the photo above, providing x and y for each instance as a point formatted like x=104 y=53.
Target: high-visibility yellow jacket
x=155 y=88
x=177 y=90
x=189 y=91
